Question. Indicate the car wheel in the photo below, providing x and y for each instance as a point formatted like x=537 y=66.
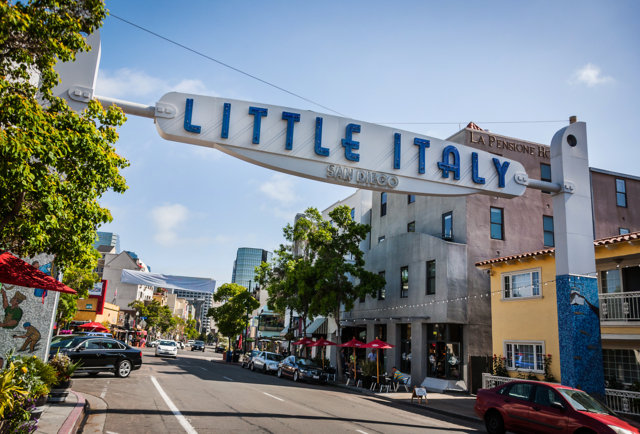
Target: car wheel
x=279 y=372
x=252 y=367
x=494 y=423
x=124 y=369
x=296 y=376
x=264 y=369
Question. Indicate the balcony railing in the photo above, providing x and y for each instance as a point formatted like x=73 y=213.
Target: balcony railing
x=620 y=306
x=621 y=401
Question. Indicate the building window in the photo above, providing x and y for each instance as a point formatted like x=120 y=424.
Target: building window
x=621 y=365
x=525 y=356
x=431 y=277
x=411 y=198
x=623 y=231
x=447 y=226
x=353 y=213
x=404 y=282
x=621 y=193
x=411 y=227
x=382 y=292
x=545 y=174
x=381 y=239
x=610 y=281
x=383 y=204
x=497 y=223
x=521 y=284
x=547 y=227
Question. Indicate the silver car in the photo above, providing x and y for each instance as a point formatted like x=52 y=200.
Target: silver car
x=265 y=361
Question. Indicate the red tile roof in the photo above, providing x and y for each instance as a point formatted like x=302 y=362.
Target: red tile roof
x=634 y=236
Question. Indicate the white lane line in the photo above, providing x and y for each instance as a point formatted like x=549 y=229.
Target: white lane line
x=227 y=378
x=181 y=419
x=204 y=369
x=274 y=397
x=104 y=391
x=363 y=432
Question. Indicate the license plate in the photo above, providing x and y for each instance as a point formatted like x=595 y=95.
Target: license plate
x=316 y=377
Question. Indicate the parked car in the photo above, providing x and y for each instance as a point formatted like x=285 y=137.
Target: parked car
x=245 y=358
x=301 y=369
x=221 y=349
x=266 y=361
x=190 y=342
x=167 y=348
x=197 y=346
x=528 y=406
x=97 y=354
x=181 y=345
x=153 y=344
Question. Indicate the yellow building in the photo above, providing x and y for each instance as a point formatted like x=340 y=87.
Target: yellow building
x=524 y=310
x=87 y=312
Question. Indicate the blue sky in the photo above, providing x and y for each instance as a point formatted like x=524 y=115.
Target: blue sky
x=429 y=67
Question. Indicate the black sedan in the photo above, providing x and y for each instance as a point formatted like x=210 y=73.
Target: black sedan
x=301 y=369
x=97 y=354
x=197 y=346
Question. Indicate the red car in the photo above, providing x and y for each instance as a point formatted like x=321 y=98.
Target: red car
x=536 y=407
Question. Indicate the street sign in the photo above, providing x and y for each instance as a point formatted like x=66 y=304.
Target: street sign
x=335 y=149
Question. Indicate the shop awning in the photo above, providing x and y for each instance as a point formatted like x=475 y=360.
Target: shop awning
x=201 y=284
x=318 y=326
x=14 y=271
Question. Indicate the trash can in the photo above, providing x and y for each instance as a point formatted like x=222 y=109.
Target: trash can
x=224 y=356
x=229 y=356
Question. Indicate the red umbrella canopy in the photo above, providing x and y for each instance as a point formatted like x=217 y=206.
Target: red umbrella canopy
x=14 y=271
x=304 y=341
x=94 y=326
x=322 y=342
x=353 y=343
x=377 y=344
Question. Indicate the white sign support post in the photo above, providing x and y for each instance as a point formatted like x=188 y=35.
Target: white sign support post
x=358 y=154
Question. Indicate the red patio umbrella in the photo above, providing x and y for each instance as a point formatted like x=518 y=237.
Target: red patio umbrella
x=14 y=271
x=378 y=345
x=304 y=341
x=94 y=326
x=353 y=343
x=322 y=342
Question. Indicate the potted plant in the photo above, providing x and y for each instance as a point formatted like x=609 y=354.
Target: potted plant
x=64 y=370
x=368 y=373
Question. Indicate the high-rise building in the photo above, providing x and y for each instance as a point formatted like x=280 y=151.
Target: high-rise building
x=244 y=267
x=108 y=239
x=202 y=301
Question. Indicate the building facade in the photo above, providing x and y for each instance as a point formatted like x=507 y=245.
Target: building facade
x=108 y=239
x=436 y=308
x=201 y=301
x=247 y=259
x=525 y=318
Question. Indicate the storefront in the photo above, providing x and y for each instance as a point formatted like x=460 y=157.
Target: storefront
x=444 y=343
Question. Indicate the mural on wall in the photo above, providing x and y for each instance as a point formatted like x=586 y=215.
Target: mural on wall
x=26 y=319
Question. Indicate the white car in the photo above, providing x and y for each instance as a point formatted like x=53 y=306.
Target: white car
x=266 y=362
x=167 y=348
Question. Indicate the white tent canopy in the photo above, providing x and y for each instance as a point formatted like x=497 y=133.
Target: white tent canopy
x=186 y=283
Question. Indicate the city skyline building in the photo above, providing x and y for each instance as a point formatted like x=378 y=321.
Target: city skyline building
x=107 y=239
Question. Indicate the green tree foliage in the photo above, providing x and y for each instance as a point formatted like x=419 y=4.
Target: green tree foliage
x=156 y=316
x=231 y=317
x=329 y=274
x=190 y=330
x=54 y=163
x=80 y=279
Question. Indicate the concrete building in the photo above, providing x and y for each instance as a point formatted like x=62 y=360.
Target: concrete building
x=122 y=294
x=201 y=301
x=435 y=304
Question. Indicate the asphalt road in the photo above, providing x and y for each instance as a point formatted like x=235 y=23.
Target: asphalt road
x=194 y=394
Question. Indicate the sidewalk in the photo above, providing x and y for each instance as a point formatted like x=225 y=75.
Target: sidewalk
x=64 y=417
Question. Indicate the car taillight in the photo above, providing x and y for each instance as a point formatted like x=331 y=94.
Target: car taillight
x=140 y=353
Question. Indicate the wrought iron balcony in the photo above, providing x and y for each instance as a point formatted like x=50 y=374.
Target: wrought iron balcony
x=620 y=307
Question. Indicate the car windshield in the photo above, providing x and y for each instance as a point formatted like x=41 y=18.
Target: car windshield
x=273 y=356
x=199 y=343
x=167 y=343
x=305 y=362
x=582 y=401
x=66 y=341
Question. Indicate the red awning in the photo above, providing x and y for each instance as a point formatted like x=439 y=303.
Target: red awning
x=15 y=271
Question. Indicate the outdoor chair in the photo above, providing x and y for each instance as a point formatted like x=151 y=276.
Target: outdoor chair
x=405 y=382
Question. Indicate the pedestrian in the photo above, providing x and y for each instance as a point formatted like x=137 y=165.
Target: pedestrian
x=371 y=356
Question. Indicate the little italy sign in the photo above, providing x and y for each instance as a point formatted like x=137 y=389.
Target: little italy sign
x=335 y=149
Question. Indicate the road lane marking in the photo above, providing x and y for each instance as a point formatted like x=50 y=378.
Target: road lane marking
x=363 y=432
x=204 y=369
x=274 y=397
x=181 y=419
x=227 y=378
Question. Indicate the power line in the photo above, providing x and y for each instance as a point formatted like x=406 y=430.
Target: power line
x=225 y=64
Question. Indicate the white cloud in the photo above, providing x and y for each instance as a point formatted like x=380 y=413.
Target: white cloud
x=280 y=188
x=167 y=219
x=126 y=84
x=591 y=75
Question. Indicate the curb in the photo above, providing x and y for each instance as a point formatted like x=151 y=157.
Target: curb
x=73 y=421
x=96 y=415
x=407 y=404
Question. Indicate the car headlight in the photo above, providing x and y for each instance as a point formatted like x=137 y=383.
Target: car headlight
x=618 y=430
